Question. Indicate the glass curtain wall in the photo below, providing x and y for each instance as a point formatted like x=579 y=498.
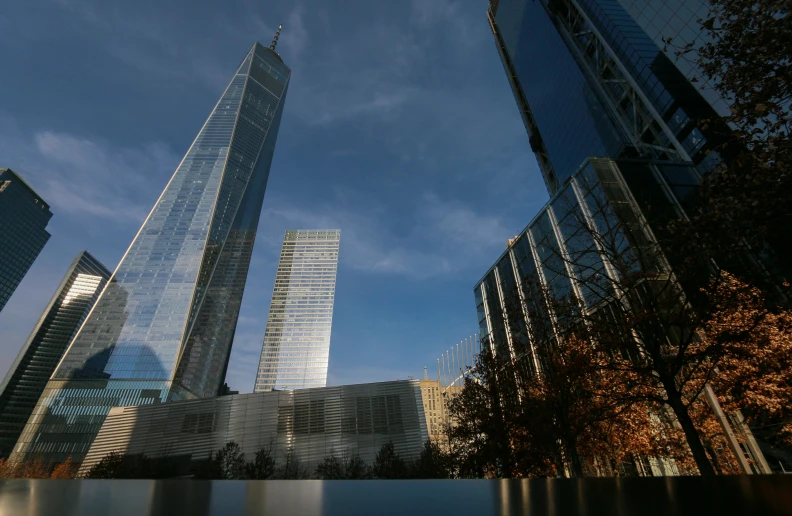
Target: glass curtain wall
x=162 y=328
x=23 y=219
x=296 y=345
x=40 y=354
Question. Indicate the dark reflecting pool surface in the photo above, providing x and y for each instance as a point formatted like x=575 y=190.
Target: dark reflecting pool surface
x=755 y=495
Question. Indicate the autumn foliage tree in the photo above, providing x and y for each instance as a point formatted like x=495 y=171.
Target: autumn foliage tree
x=755 y=375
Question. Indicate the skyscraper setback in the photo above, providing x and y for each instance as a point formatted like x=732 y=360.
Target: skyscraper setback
x=162 y=328
x=36 y=361
x=23 y=219
x=297 y=339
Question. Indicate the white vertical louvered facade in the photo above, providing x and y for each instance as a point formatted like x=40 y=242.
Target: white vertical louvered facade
x=297 y=339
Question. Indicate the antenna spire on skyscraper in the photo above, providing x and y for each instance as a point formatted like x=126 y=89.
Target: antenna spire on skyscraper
x=275 y=39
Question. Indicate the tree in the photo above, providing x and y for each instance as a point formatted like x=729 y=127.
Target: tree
x=231 y=461
x=356 y=469
x=347 y=467
x=755 y=375
x=292 y=468
x=331 y=468
x=388 y=464
x=64 y=470
x=263 y=465
x=480 y=432
x=747 y=203
x=431 y=463
x=110 y=466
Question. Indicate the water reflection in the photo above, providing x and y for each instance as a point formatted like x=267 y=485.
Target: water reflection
x=756 y=495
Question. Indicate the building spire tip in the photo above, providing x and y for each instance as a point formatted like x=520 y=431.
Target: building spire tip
x=277 y=35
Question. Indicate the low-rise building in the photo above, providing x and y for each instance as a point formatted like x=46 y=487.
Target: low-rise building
x=311 y=423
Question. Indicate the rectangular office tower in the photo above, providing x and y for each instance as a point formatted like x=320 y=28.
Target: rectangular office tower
x=23 y=219
x=28 y=375
x=297 y=339
x=162 y=328
x=589 y=81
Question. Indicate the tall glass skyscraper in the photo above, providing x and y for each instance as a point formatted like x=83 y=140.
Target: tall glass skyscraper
x=589 y=81
x=679 y=20
x=28 y=375
x=23 y=219
x=297 y=339
x=162 y=328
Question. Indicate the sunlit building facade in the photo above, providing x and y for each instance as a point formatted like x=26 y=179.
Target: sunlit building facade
x=296 y=345
x=23 y=220
x=162 y=328
x=311 y=423
x=36 y=361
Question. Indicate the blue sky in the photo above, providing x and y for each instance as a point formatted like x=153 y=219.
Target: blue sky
x=399 y=129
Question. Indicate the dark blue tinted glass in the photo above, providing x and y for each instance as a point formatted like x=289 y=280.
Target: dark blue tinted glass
x=571 y=119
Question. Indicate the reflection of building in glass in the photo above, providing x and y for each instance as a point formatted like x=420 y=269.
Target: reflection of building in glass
x=23 y=219
x=162 y=328
x=297 y=339
x=313 y=423
x=679 y=20
x=558 y=252
x=590 y=82
x=36 y=361
x=567 y=249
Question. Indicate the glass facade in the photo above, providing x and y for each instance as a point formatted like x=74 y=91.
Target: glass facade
x=558 y=253
x=24 y=217
x=678 y=19
x=36 y=361
x=162 y=328
x=312 y=423
x=596 y=84
x=571 y=122
x=297 y=338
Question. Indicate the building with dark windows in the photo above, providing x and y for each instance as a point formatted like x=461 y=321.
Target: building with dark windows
x=310 y=423
x=589 y=81
x=679 y=21
x=162 y=328
x=40 y=354
x=24 y=217
x=296 y=345
x=613 y=120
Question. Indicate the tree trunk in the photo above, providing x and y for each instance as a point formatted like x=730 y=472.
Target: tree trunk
x=691 y=434
x=573 y=458
x=575 y=465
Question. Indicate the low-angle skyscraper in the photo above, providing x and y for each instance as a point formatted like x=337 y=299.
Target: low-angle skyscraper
x=613 y=119
x=28 y=375
x=590 y=82
x=162 y=328
x=23 y=219
x=297 y=339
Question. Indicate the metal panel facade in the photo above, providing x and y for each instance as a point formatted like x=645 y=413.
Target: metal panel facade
x=315 y=423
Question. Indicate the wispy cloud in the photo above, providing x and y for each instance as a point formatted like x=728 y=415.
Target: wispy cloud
x=447 y=13
x=81 y=175
x=439 y=243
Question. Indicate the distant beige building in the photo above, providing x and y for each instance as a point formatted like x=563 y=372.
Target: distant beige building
x=435 y=408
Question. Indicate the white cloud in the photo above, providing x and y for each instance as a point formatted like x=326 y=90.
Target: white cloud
x=446 y=237
x=85 y=176
x=446 y=13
